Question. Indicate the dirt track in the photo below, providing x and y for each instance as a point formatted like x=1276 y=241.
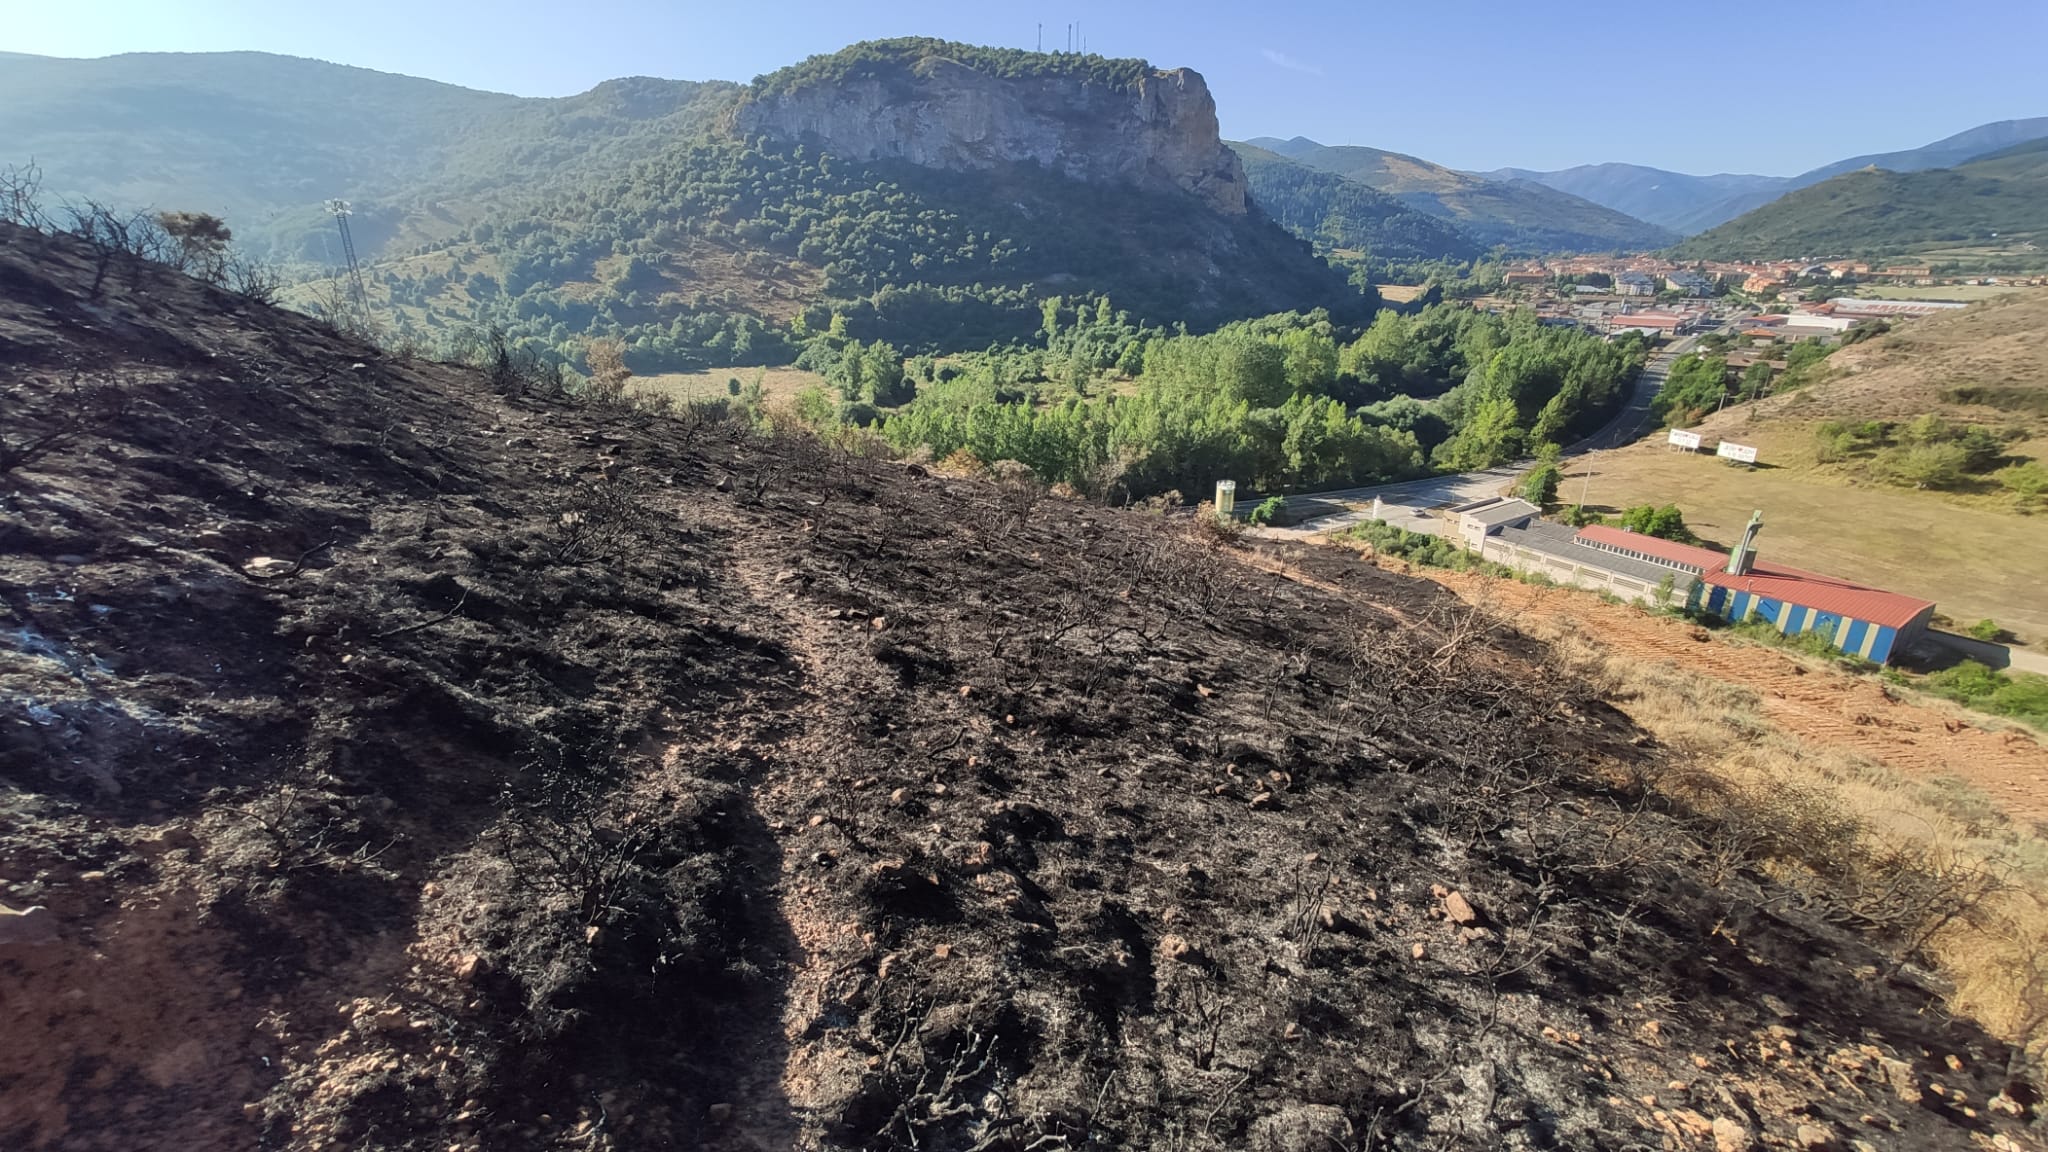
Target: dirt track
x=1821 y=704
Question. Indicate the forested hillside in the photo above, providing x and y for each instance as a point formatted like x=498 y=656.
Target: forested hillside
x=1328 y=209
x=730 y=248
x=2001 y=197
x=706 y=255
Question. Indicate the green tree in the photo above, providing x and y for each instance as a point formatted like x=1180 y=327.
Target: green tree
x=1694 y=387
x=1309 y=361
x=202 y=241
x=1756 y=380
x=2028 y=481
x=1924 y=465
x=1664 y=522
x=1539 y=487
x=1273 y=510
x=814 y=406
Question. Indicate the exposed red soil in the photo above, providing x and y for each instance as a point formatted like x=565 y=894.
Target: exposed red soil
x=1827 y=706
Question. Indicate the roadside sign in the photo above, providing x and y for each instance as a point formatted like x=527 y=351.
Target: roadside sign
x=1690 y=441
x=1742 y=452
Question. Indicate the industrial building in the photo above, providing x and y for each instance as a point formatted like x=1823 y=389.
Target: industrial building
x=1650 y=323
x=1737 y=586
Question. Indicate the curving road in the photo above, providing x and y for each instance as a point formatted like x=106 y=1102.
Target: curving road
x=1410 y=504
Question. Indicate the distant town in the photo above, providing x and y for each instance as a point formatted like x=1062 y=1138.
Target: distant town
x=1774 y=301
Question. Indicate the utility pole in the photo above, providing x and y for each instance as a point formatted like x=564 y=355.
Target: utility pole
x=1041 y=36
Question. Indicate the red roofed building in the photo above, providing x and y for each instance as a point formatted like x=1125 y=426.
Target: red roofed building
x=1734 y=585
x=1670 y=553
x=1858 y=619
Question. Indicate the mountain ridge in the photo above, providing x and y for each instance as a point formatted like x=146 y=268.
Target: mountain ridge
x=1875 y=212
x=1691 y=204
x=1326 y=208
x=1519 y=214
x=684 y=218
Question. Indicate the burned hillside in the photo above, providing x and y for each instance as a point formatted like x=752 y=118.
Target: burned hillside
x=401 y=757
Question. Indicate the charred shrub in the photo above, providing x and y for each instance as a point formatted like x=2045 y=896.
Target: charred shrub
x=595 y=521
x=627 y=925
x=513 y=369
x=946 y=1081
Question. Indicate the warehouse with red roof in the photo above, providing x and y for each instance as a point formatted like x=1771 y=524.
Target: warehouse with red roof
x=1737 y=586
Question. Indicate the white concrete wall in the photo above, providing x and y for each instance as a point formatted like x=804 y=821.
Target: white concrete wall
x=1627 y=588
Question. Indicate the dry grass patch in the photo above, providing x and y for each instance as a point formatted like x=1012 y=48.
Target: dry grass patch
x=1972 y=559
x=1933 y=868
x=716 y=383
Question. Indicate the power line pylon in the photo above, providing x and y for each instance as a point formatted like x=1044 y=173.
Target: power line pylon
x=342 y=212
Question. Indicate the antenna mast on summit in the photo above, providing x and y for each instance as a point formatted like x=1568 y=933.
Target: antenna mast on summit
x=341 y=212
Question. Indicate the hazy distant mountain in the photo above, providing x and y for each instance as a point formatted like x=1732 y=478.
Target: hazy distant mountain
x=1944 y=153
x=1682 y=203
x=1690 y=204
x=264 y=139
x=2002 y=197
x=1521 y=214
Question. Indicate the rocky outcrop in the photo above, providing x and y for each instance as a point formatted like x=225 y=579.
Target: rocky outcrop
x=1159 y=132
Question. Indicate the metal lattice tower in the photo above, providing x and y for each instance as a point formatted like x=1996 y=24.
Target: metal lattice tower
x=341 y=212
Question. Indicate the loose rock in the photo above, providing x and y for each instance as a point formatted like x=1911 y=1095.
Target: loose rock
x=1730 y=1136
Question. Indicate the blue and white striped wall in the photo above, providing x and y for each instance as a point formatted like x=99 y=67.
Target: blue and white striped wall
x=1873 y=642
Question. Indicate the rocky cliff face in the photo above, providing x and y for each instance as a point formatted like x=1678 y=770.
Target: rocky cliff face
x=1159 y=133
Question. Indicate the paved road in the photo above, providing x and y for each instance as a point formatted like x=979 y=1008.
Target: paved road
x=1632 y=421
x=1405 y=505
x=1409 y=504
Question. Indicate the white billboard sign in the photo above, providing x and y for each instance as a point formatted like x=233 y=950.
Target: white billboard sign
x=1742 y=452
x=1689 y=441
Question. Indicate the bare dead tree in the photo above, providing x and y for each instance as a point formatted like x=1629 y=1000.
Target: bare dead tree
x=21 y=197
x=252 y=279
x=116 y=239
x=606 y=358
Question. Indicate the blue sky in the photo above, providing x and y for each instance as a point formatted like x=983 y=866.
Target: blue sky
x=1704 y=86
